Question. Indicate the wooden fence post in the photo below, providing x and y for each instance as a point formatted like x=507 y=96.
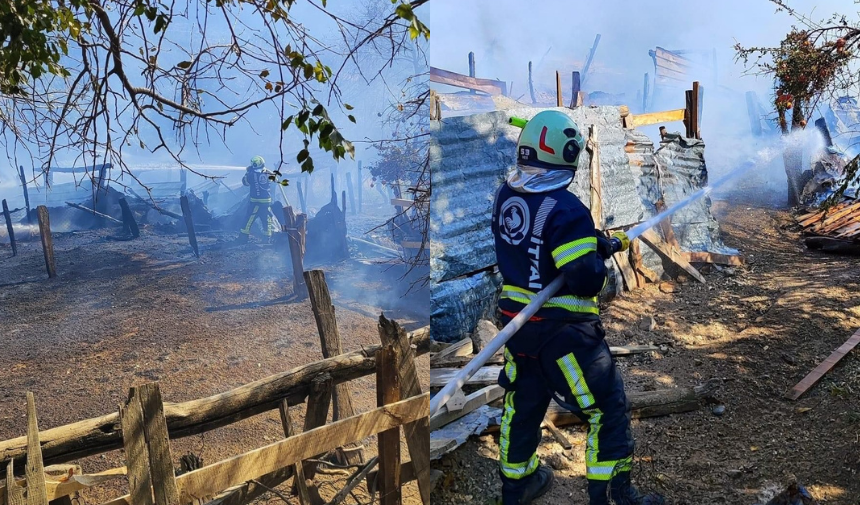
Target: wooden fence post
x=37 y=494
x=147 y=439
x=24 y=187
x=417 y=433
x=316 y=415
x=388 y=391
x=189 y=224
x=298 y=471
x=531 y=85
x=129 y=223
x=14 y=492
x=349 y=189
x=9 y=228
x=324 y=314
x=47 y=240
x=295 y=227
x=695 y=112
x=559 y=99
x=575 y=88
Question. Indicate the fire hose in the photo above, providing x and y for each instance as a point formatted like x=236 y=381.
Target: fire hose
x=456 y=383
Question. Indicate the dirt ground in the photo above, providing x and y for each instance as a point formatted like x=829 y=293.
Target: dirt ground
x=760 y=329
x=125 y=313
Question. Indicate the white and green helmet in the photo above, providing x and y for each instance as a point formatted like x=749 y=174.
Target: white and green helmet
x=550 y=140
x=258 y=162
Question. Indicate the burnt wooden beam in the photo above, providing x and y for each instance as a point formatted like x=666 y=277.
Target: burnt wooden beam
x=189 y=224
x=47 y=240
x=9 y=229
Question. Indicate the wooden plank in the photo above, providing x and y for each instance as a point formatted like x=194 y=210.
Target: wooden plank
x=136 y=453
x=94 y=212
x=590 y=58
x=825 y=366
x=9 y=230
x=47 y=240
x=298 y=470
x=488 y=86
x=388 y=390
x=319 y=401
x=473 y=401
x=128 y=218
x=324 y=314
x=654 y=240
x=714 y=258
x=464 y=347
x=531 y=85
x=248 y=466
x=157 y=444
x=650 y=118
x=627 y=273
x=559 y=98
x=417 y=433
x=104 y=433
x=189 y=224
x=37 y=494
x=556 y=433
x=596 y=200
x=575 y=88
x=13 y=492
x=485 y=376
x=73 y=481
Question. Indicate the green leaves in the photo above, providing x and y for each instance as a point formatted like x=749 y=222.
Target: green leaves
x=416 y=27
x=183 y=64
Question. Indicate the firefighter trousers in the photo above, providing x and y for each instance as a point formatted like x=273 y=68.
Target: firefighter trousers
x=259 y=209
x=572 y=363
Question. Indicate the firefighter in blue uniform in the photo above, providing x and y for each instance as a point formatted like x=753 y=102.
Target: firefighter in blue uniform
x=261 y=198
x=542 y=231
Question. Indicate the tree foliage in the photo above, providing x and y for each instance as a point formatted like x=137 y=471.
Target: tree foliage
x=813 y=63
x=95 y=77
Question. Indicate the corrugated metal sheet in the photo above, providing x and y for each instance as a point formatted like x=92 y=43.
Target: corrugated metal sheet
x=470 y=157
x=457 y=305
x=682 y=171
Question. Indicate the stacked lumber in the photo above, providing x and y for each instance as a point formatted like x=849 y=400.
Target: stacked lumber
x=842 y=221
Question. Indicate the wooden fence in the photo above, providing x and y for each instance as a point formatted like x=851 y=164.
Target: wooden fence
x=144 y=426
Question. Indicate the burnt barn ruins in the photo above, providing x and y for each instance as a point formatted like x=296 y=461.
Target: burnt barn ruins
x=143 y=275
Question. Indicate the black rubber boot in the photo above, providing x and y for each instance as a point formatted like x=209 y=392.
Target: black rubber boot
x=539 y=484
x=623 y=492
x=598 y=492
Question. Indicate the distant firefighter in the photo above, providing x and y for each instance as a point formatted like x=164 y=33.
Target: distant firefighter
x=261 y=198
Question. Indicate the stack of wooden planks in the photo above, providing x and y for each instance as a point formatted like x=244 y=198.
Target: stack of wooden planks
x=842 y=221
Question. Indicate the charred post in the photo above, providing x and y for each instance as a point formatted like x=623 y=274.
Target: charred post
x=559 y=98
x=9 y=228
x=24 y=187
x=472 y=69
x=47 y=240
x=129 y=223
x=189 y=224
x=295 y=238
x=531 y=85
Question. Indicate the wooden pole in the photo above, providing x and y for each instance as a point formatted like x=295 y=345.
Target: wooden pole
x=37 y=494
x=47 y=240
x=9 y=228
x=388 y=391
x=189 y=224
x=696 y=113
x=360 y=184
x=559 y=99
x=297 y=255
x=417 y=433
x=316 y=415
x=349 y=190
x=596 y=192
x=136 y=452
x=531 y=85
x=688 y=114
x=472 y=69
x=183 y=179
x=157 y=444
x=24 y=187
x=298 y=470
x=575 y=88
x=94 y=212
x=324 y=314
x=128 y=218
x=590 y=58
